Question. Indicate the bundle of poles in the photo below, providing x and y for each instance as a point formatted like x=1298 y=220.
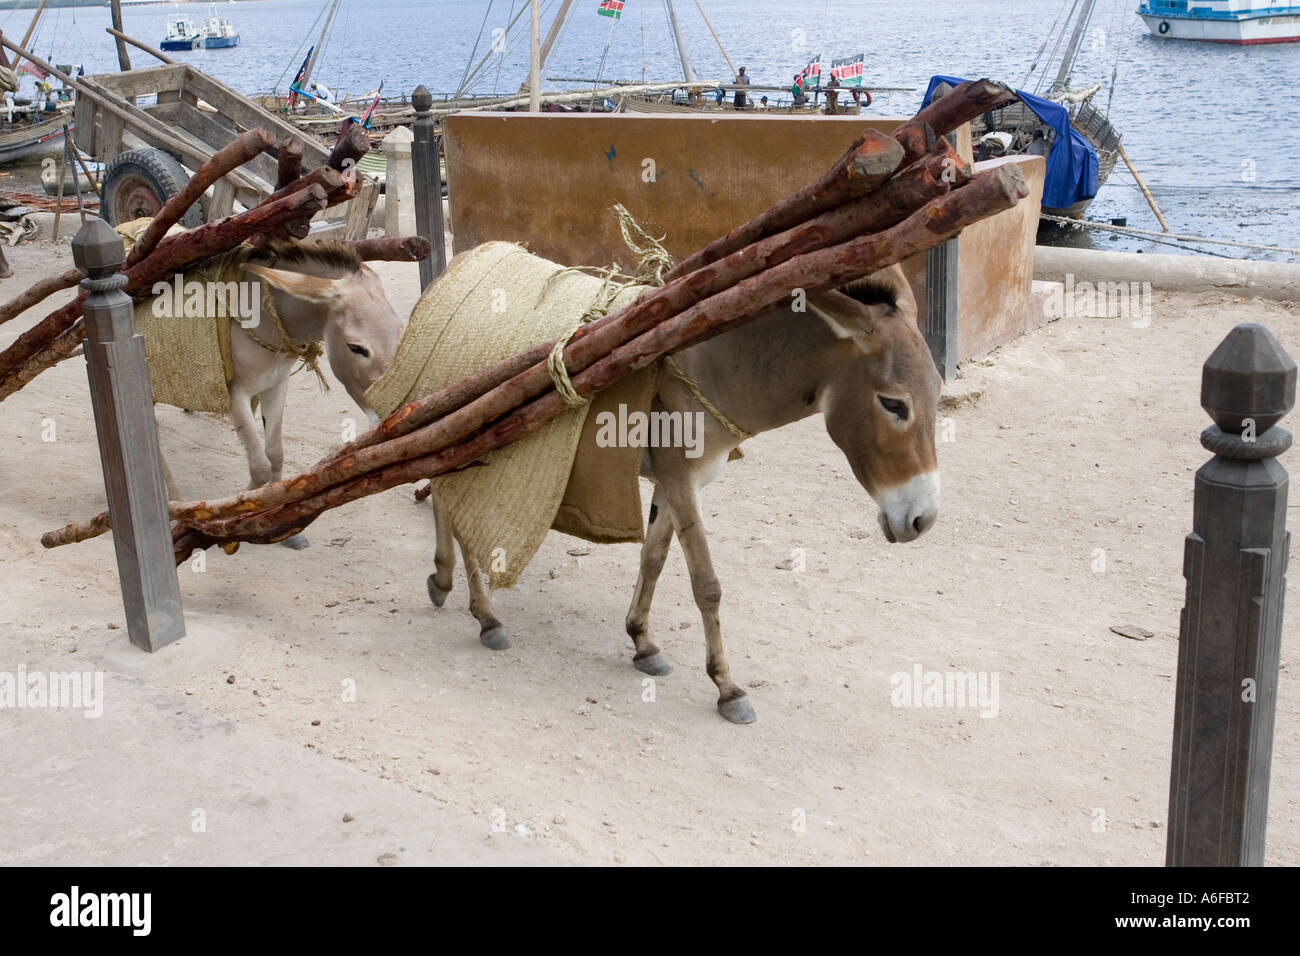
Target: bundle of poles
x=886 y=199
x=285 y=214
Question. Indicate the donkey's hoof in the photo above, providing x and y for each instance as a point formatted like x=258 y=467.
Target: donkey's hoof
x=654 y=664
x=493 y=636
x=436 y=594
x=738 y=710
x=296 y=541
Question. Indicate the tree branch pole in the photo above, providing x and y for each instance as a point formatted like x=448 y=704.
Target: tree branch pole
x=940 y=219
x=457 y=411
x=173 y=254
x=247 y=145
x=431 y=451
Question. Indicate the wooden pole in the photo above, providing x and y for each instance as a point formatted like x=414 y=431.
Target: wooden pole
x=427 y=174
x=128 y=443
x=124 y=38
x=1151 y=200
x=554 y=32
x=123 y=58
x=27 y=37
x=535 y=59
x=687 y=73
x=730 y=66
x=1231 y=631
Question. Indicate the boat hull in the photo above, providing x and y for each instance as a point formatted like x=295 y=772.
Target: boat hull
x=1269 y=28
x=187 y=44
x=220 y=43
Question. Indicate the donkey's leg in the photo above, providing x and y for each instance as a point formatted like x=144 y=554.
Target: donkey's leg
x=169 y=480
x=491 y=633
x=241 y=413
x=658 y=538
x=679 y=488
x=444 y=555
x=271 y=407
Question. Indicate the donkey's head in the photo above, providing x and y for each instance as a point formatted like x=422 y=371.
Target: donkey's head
x=880 y=402
x=324 y=291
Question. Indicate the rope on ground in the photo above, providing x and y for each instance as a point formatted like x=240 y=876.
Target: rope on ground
x=1129 y=231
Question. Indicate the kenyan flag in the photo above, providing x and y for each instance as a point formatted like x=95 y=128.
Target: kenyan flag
x=611 y=8
x=810 y=75
x=848 y=69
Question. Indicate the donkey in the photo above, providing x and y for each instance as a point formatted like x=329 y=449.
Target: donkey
x=857 y=356
x=322 y=291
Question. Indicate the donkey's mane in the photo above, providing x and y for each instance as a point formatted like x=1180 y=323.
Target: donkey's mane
x=332 y=256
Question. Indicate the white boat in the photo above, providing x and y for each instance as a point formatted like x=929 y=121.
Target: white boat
x=1223 y=21
x=181 y=35
x=217 y=32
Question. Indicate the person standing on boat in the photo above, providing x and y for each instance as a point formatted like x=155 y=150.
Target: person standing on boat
x=832 y=94
x=742 y=79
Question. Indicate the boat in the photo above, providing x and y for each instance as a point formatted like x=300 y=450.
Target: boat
x=1077 y=138
x=1223 y=21
x=181 y=35
x=217 y=32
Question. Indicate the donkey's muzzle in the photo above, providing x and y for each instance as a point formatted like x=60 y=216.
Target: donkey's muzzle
x=908 y=510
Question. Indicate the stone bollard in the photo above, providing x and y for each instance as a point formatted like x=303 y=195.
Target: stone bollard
x=1230 y=635
x=128 y=442
x=399 y=187
x=427 y=173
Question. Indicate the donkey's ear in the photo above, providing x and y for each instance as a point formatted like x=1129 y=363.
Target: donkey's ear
x=309 y=288
x=856 y=311
x=851 y=319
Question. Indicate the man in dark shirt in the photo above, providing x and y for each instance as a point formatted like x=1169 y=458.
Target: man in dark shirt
x=741 y=80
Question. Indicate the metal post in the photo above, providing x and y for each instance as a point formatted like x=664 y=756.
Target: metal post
x=940 y=326
x=427 y=173
x=128 y=442
x=1230 y=635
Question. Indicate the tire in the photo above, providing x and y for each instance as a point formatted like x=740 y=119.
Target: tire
x=138 y=182
x=1164 y=26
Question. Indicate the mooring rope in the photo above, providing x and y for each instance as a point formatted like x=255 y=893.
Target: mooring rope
x=1164 y=236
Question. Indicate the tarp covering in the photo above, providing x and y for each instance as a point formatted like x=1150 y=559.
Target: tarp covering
x=1071 y=165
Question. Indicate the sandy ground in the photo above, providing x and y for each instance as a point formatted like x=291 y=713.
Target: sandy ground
x=1080 y=436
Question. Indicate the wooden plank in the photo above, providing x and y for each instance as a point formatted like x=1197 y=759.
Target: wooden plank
x=360 y=209
x=222 y=203
x=143 y=82
x=244 y=112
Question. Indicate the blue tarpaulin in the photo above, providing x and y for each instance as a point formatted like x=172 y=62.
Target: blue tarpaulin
x=1071 y=165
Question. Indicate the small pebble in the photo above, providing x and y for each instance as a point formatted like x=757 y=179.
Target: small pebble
x=230 y=679
x=348 y=818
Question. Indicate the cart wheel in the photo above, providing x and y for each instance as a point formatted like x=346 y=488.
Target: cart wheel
x=138 y=182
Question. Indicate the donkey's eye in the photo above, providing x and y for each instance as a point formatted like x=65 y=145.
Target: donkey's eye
x=359 y=350
x=895 y=407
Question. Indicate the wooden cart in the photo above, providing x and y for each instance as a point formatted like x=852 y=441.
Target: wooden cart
x=149 y=126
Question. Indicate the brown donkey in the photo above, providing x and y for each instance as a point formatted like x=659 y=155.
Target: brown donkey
x=857 y=356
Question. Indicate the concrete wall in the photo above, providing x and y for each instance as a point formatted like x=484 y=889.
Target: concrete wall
x=548 y=180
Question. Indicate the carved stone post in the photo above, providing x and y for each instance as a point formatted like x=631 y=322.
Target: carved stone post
x=128 y=443
x=1230 y=636
x=427 y=171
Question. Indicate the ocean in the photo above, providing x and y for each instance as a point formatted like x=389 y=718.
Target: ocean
x=1210 y=127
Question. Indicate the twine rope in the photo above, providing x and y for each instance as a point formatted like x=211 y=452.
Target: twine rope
x=653 y=260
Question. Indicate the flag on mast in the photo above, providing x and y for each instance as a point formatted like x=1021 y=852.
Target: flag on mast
x=848 y=69
x=611 y=8
x=810 y=75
